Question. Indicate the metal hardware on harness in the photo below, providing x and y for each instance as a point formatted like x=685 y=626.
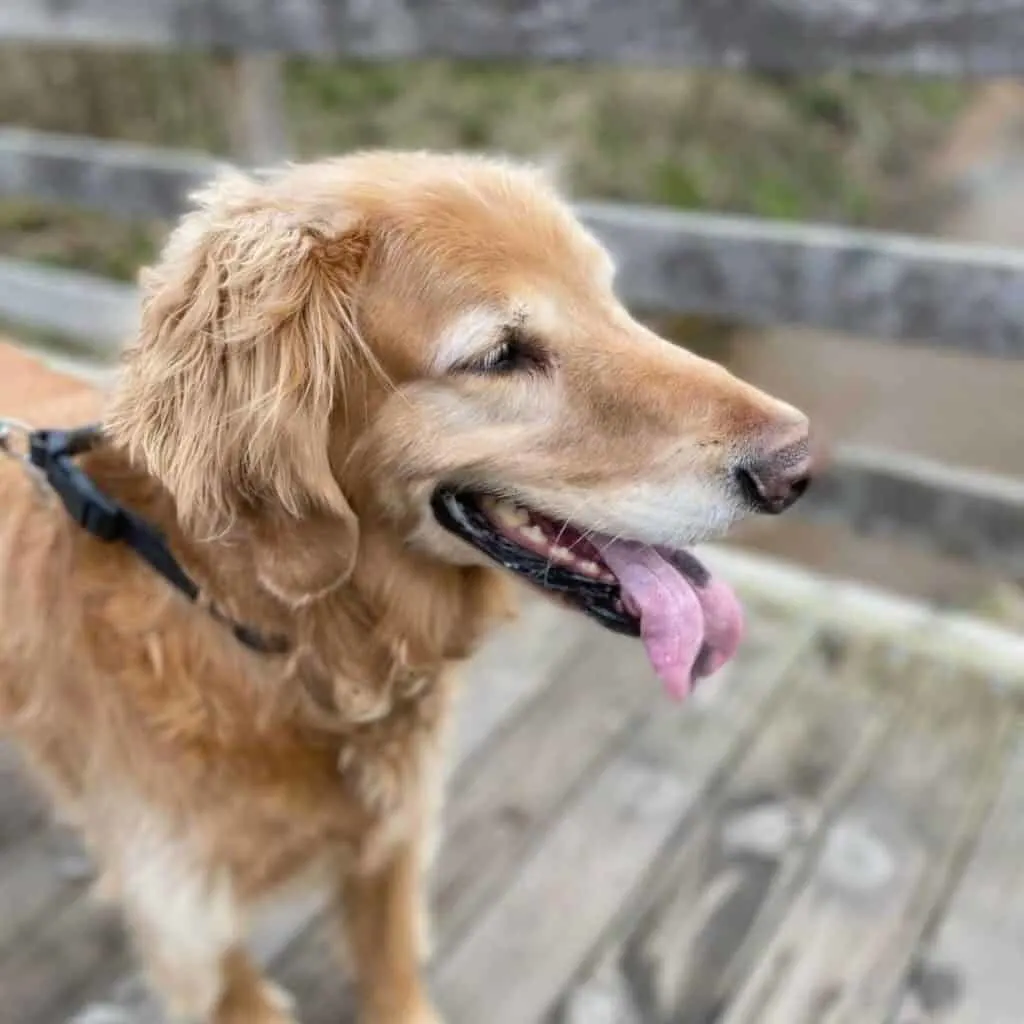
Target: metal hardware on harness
x=49 y=455
x=16 y=443
x=16 y=440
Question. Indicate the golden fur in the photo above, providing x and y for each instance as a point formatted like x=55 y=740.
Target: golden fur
x=295 y=393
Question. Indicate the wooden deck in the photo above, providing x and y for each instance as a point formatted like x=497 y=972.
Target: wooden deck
x=832 y=832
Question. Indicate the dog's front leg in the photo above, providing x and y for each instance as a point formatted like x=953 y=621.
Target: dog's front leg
x=199 y=979
x=382 y=921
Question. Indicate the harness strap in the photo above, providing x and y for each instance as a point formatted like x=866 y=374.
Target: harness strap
x=52 y=453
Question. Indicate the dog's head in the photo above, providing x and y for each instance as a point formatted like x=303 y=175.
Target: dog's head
x=430 y=349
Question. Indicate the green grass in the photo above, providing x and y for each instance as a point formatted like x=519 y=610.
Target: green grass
x=839 y=147
x=77 y=239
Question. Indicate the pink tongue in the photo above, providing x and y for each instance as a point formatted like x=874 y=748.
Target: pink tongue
x=678 y=620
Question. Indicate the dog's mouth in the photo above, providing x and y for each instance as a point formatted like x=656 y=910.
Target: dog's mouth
x=690 y=623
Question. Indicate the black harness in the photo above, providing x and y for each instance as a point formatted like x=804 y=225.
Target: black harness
x=52 y=453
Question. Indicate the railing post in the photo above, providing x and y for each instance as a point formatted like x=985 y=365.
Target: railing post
x=253 y=98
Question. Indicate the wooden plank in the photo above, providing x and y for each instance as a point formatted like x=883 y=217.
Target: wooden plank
x=22 y=808
x=496 y=813
x=40 y=867
x=892 y=287
x=93 y=314
x=511 y=969
x=965 y=642
x=963 y=514
x=714 y=895
x=35 y=881
x=52 y=940
x=118 y=178
x=42 y=979
x=908 y=36
x=846 y=944
x=971 y=972
x=511 y=668
x=869 y=283
x=530 y=939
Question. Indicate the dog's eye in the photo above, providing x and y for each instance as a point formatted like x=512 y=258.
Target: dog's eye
x=512 y=353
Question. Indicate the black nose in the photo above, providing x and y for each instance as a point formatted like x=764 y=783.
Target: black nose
x=773 y=482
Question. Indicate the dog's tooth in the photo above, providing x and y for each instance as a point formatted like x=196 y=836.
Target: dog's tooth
x=590 y=568
x=563 y=555
x=534 y=533
x=511 y=515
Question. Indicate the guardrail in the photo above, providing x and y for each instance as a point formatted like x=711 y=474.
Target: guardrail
x=954 y=37
x=904 y=289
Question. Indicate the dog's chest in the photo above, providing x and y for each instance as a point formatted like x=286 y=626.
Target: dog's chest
x=350 y=801
x=389 y=772
x=390 y=767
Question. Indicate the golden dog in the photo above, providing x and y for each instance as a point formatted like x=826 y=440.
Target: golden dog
x=364 y=394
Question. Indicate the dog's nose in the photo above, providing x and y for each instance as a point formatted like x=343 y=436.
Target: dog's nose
x=773 y=480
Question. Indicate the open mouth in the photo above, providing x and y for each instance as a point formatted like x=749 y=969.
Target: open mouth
x=690 y=622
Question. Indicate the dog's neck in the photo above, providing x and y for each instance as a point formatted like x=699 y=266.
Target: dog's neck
x=356 y=649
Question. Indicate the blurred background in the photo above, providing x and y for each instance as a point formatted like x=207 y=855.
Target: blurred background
x=942 y=157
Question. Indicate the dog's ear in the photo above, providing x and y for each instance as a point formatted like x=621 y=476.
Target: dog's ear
x=228 y=395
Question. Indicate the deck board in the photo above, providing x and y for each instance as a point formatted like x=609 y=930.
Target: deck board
x=585 y=869
x=970 y=973
x=43 y=980
x=593 y=859
x=699 y=923
x=22 y=809
x=34 y=884
x=847 y=938
x=795 y=844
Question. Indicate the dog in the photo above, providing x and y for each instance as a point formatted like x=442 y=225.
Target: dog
x=365 y=394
